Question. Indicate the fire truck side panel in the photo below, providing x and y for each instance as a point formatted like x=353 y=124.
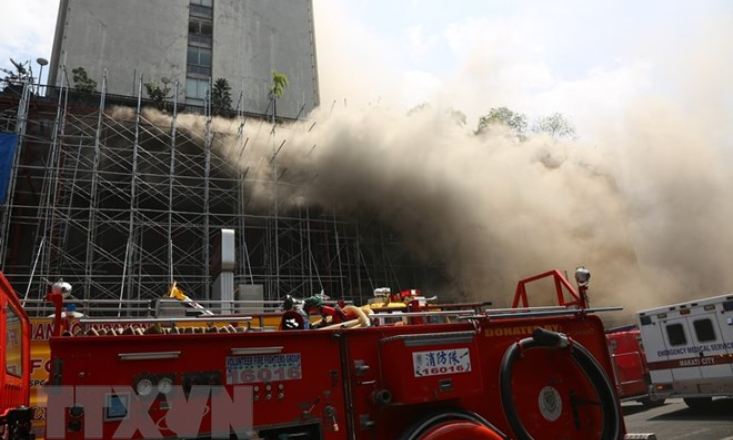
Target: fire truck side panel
x=689 y=348
x=295 y=377
x=14 y=351
x=400 y=373
x=546 y=382
x=401 y=378
x=358 y=384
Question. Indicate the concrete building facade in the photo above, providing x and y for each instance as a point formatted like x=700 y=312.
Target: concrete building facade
x=192 y=42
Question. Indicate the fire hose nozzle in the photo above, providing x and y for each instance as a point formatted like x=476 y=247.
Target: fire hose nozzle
x=549 y=338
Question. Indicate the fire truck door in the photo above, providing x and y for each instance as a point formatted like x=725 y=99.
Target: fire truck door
x=709 y=345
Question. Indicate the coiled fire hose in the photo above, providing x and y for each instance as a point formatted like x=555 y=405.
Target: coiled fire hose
x=587 y=363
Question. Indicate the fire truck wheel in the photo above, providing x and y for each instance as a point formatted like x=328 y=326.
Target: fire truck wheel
x=443 y=425
x=553 y=409
x=649 y=403
x=698 y=403
x=460 y=431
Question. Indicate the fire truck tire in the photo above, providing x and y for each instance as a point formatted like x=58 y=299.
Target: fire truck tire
x=649 y=403
x=698 y=403
x=442 y=425
x=587 y=363
x=460 y=431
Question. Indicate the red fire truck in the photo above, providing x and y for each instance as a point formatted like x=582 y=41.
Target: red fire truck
x=15 y=415
x=507 y=374
x=630 y=366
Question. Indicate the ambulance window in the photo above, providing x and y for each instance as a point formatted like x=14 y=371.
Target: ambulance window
x=14 y=343
x=704 y=330
x=676 y=334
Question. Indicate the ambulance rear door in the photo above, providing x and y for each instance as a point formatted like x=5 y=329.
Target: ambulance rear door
x=658 y=348
x=709 y=334
x=684 y=363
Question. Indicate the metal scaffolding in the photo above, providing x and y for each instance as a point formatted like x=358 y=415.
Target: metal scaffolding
x=121 y=207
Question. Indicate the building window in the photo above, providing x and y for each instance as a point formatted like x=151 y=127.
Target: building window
x=202 y=8
x=676 y=334
x=704 y=330
x=196 y=90
x=199 y=60
x=14 y=343
x=200 y=30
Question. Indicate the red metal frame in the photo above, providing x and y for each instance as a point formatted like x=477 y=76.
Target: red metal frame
x=520 y=296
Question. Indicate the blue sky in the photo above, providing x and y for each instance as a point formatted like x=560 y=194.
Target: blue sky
x=535 y=56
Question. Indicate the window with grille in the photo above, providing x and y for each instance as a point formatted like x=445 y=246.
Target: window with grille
x=199 y=60
x=196 y=90
x=200 y=30
x=202 y=8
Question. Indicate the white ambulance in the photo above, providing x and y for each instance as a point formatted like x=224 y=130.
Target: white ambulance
x=689 y=349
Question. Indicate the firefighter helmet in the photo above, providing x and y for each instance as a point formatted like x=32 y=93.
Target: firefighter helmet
x=288 y=303
x=314 y=301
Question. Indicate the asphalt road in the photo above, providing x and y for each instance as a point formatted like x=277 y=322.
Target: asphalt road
x=675 y=421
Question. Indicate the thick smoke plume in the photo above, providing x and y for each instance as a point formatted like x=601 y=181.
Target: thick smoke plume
x=644 y=199
x=648 y=216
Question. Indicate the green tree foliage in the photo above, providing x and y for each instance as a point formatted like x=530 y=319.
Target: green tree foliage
x=279 y=83
x=418 y=108
x=159 y=95
x=15 y=77
x=503 y=116
x=457 y=116
x=221 y=98
x=82 y=83
x=555 y=125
